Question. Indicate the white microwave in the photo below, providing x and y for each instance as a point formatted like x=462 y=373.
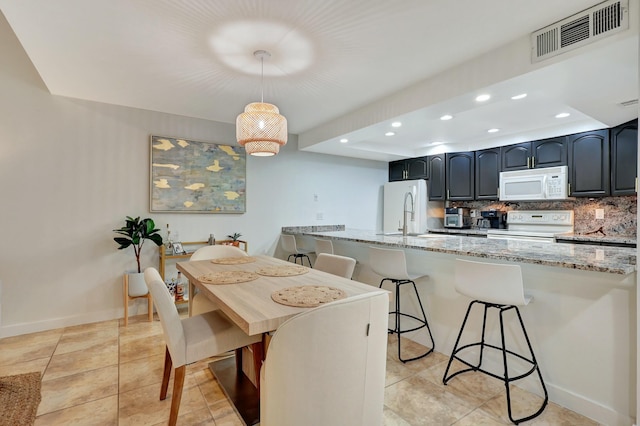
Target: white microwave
x=550 y=183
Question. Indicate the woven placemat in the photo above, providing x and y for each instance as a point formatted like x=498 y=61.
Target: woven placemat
x=233 y=260
x=282 y=271
x=307 y=296
x=19 y=399
x=228 y=277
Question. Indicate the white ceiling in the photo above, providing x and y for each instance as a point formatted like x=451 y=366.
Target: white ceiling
x=339 y=68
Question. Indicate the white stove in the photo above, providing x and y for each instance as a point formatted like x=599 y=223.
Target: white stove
x=535 y=225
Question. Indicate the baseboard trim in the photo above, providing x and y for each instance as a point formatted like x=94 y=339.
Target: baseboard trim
x=51 y=324
x=586 y=407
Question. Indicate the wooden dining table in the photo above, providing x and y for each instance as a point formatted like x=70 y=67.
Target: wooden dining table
x=250 y=306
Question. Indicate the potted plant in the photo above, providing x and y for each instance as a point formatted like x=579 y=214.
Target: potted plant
x=134 y=233
x=235 y=239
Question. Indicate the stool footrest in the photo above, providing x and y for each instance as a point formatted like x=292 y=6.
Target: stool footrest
x=487 y=372
x=506 y=353
x=422 y=322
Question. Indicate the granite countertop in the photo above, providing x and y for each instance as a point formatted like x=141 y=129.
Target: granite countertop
x=614 y=260
x=464 y=231
x=598 y=238
x=586 y=238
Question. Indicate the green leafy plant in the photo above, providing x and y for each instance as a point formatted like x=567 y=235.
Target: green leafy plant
x=235 y=236
x=135 y=233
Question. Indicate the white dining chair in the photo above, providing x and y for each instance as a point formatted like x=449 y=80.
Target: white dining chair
x=326 y=366
x=289 y=246
x=323 y=246
x=341 y=266
x=190 y=339
x=201 y=303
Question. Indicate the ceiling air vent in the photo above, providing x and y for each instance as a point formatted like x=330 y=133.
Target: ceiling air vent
x=600 y=21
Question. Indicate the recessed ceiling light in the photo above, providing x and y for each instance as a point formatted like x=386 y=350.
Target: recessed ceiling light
x=562 y=115
x=520 y=96
x=493 y=130
x=482 y=98
x=437 y=143
x=389 y=134
x=396 y=124
x=344 y=140
x=446 y=117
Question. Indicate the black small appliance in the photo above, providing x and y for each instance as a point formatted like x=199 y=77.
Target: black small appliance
x=494 y=219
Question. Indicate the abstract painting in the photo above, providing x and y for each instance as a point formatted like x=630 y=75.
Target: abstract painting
x=196 y=177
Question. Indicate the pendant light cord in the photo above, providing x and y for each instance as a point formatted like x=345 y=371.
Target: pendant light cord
x=262 y=80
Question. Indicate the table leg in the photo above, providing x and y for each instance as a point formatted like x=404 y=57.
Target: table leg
x=258 y=357
x=192 y=290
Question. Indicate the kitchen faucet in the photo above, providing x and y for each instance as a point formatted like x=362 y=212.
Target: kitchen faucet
x=405 y=211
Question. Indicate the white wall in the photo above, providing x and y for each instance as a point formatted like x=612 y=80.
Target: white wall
x=71 y=170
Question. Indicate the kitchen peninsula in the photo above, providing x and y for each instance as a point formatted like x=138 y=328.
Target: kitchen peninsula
x=582 y=321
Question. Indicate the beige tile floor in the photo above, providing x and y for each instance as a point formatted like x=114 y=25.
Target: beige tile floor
x=106 y=374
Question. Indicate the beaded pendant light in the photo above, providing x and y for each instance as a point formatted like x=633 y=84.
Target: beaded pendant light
x=260 y=129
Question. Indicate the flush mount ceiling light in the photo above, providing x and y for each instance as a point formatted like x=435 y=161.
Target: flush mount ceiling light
x=260 y=129
x=562 y=115
x=389 y=134
x=446 y=117
x=520 y=96
x=396 y=124
x=494 y=130
x=344 y=140
x=482 y=98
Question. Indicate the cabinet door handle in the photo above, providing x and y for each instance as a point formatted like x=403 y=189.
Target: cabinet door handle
x=533 y=162
x=636 y=188
x=447 y=194
x=528 y=162
x=569 y=191
x=498 y=191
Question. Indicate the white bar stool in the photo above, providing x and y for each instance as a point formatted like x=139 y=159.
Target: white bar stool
x=289 y=245
x=494 y=286
x=323 y=246
x=392 y=265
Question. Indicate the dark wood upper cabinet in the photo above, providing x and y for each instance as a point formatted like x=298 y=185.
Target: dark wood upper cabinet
x=589 y=171
x=436 y=186
x=417 y=168
x=487 y=180
x=516 y=157
x=624 y=158
x=411 y=168
x=396 y=170
x=459 y=169
x=550 y=152
x=536 y=154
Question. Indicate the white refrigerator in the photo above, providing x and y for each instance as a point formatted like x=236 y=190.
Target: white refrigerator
x=420 y=215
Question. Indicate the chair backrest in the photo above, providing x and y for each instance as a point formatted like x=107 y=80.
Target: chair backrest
x=217 y=252
x=288 y=243
x=326 y=366
x=324 y=246
x=169 y=317
x=341 y=266
x=490 y=282
x=388 y=263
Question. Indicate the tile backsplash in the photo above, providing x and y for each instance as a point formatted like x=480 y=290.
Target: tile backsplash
x=620 y=218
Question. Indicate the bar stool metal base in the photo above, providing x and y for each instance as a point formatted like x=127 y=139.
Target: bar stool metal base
x=398 y=314
x=300 y=256
x=483 y=345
